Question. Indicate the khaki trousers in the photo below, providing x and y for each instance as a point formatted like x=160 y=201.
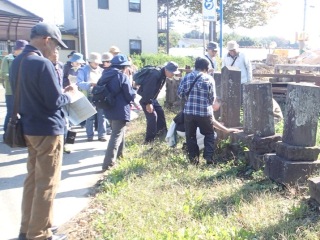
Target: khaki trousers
x=39 y=190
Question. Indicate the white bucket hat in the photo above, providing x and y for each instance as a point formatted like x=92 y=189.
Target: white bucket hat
x=95 y=57
x=232 y=45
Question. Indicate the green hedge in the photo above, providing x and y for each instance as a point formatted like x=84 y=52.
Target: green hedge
x=160 y=59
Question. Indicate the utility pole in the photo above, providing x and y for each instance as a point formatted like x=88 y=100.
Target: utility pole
x=82 y=29
x=304 y=15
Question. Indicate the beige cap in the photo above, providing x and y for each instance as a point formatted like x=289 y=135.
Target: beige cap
x=114 y=49
x=106 y=56
x=95 y=57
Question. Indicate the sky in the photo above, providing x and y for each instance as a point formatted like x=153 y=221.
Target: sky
x=286 y=23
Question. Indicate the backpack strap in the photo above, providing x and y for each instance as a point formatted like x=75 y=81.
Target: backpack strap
x=212 y=64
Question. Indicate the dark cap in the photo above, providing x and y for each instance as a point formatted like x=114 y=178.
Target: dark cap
x=120 y=60
x=172 y=67
x=47 y=30
x=70 y=55
x=20 y=44
x=212 y=45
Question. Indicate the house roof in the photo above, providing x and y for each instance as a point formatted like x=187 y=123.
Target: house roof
x=15 y=21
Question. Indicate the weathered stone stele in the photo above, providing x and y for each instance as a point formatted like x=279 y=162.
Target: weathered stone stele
x=231 y=96
x=258 y=109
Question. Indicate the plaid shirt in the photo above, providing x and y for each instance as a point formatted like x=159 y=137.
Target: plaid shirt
x=202 y=95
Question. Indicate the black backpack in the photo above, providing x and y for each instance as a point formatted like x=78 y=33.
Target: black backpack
x=140 y=76
x=102 y=97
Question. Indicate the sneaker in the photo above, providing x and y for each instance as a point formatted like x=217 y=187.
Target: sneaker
x=66 y=149
x=89 y=139
x=102 y=139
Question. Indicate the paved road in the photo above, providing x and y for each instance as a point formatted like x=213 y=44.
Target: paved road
x=80 y=172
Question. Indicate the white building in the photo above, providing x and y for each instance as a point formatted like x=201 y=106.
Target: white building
x=130 y=25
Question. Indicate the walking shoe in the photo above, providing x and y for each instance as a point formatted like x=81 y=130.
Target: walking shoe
x=102 y=139
x=66 y=149
x=23 y=236
x=58 y=237
x=89 y=139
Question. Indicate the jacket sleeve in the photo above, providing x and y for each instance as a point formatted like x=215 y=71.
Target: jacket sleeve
x=4 y=71
x=182 y=88
x=82 y=80
x=50 y=88
x=128 y=92
x=150 y=87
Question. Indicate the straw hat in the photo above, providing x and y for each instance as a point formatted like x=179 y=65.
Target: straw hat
x=114 y=50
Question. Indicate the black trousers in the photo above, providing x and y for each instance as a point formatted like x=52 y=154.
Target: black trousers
x=205 y=124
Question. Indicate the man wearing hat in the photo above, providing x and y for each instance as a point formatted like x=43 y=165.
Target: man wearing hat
x=118 y=115
x=87 y=78
x=5 y=66
x=238 y=59
x=41 y=100
x=149 y=91
x=212 y=49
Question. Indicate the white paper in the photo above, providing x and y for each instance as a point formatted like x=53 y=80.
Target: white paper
x=79 y=109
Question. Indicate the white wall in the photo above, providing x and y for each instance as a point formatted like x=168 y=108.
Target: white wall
x=116 y=25
x=69 y=21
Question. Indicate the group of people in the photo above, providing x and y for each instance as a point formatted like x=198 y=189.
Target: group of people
x=45 y=85
x=34 y=73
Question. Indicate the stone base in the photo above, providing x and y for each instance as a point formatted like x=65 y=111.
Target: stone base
x=255 y=160
x=242 y=137
x=262 y=145
x=314 y=188
x=297 y=153
x=288 y=172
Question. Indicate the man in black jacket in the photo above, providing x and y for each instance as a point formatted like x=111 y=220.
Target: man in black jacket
x=41 y=100
x=149 y=91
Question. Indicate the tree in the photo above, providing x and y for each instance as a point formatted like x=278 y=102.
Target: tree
x=237 y=13
x=174 y=38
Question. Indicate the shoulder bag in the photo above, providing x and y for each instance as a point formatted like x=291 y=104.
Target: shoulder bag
x=14 y=136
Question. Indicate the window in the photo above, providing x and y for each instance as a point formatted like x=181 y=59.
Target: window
x=103 y=4
x=71 y=44
x=135 y=47
x=134 y=5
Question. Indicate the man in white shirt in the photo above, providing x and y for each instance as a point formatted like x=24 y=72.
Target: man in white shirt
x=238 y=59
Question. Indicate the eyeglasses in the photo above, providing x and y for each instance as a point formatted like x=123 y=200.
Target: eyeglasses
x=106 y=61
x=55 y=42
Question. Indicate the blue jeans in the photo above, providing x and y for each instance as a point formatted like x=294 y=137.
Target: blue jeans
x=156 y=121
x=101 y=124
x=9 y=105
x=205 y=124
x=116 y=143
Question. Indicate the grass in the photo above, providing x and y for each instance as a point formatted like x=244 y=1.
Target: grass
x=154 y=193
